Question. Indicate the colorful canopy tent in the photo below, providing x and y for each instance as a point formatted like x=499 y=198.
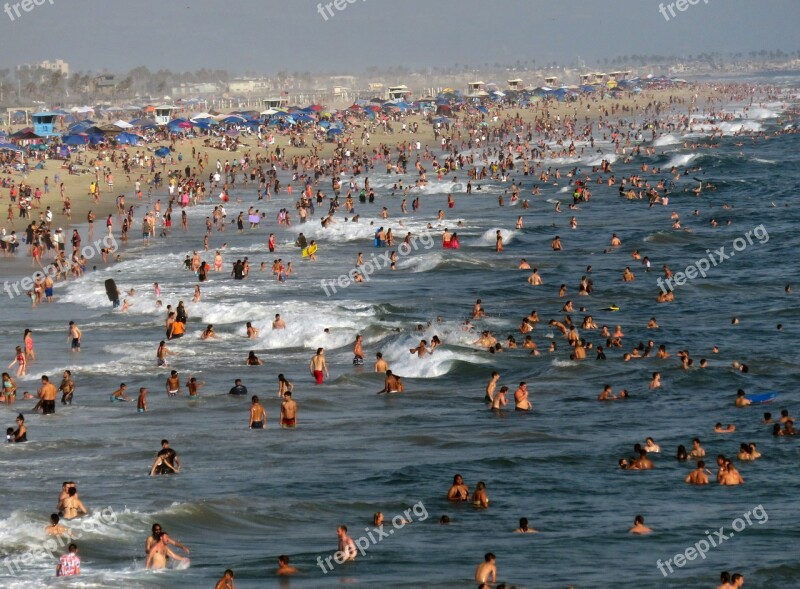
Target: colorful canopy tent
x=77 y=139
x=128 y=139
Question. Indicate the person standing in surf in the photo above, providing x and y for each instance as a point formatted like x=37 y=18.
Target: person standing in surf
x=318 y=365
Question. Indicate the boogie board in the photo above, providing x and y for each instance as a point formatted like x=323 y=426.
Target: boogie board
x=309 y=251
x=611 y=308
x=111 y=290
x=760 y=398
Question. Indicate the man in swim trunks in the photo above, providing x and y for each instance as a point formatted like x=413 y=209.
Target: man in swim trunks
x=358 y=352
x=318 y=366
x=74 y=335
x=48 y=288
x=258 y=416
x=392 y=384
x=173 y=384
x=67 y=388
x=288 y=416
x=47 y=396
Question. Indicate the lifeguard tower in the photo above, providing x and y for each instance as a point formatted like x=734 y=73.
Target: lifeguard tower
x=163 y=114
x=44 y=124
x=397 y=93
x=276 y=102
x=476 y=89
x=551 y=81
x=515 y=84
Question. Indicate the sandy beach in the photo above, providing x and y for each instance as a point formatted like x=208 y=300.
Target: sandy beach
x=77 y=186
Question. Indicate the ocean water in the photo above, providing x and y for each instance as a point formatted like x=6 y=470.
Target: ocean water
x=244 y=497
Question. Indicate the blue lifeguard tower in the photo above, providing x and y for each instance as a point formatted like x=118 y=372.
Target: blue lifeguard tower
x=44 y=124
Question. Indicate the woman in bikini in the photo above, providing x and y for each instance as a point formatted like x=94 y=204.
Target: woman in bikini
x=20 y=360
x=9 y=391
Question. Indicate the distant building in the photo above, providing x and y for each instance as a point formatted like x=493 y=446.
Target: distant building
x=249 y=86
x=58 y=65
x=348 y=81
x=189 y=89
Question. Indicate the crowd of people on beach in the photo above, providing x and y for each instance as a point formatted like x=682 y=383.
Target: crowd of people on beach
x=510 y=152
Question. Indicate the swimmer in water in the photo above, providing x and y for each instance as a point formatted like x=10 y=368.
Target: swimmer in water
x=499 y=400
x=258 y=416
x=141 y=401
x=639 y=527
x=421 y=349
x=699 y=476
x=56 y=529
x=458 y=491
x=741 y=400
x=524 y=528
x=72 y=507
x=392 y=384
x=119 y=394
x=486 y=572
x=288 y=414
x=521 y=402
x=226 y=582
x=490 y=387
x=284 y=568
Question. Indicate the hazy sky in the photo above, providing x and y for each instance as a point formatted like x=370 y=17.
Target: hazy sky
x=270 y=35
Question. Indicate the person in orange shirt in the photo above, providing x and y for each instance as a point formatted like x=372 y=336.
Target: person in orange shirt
x=177 y=330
